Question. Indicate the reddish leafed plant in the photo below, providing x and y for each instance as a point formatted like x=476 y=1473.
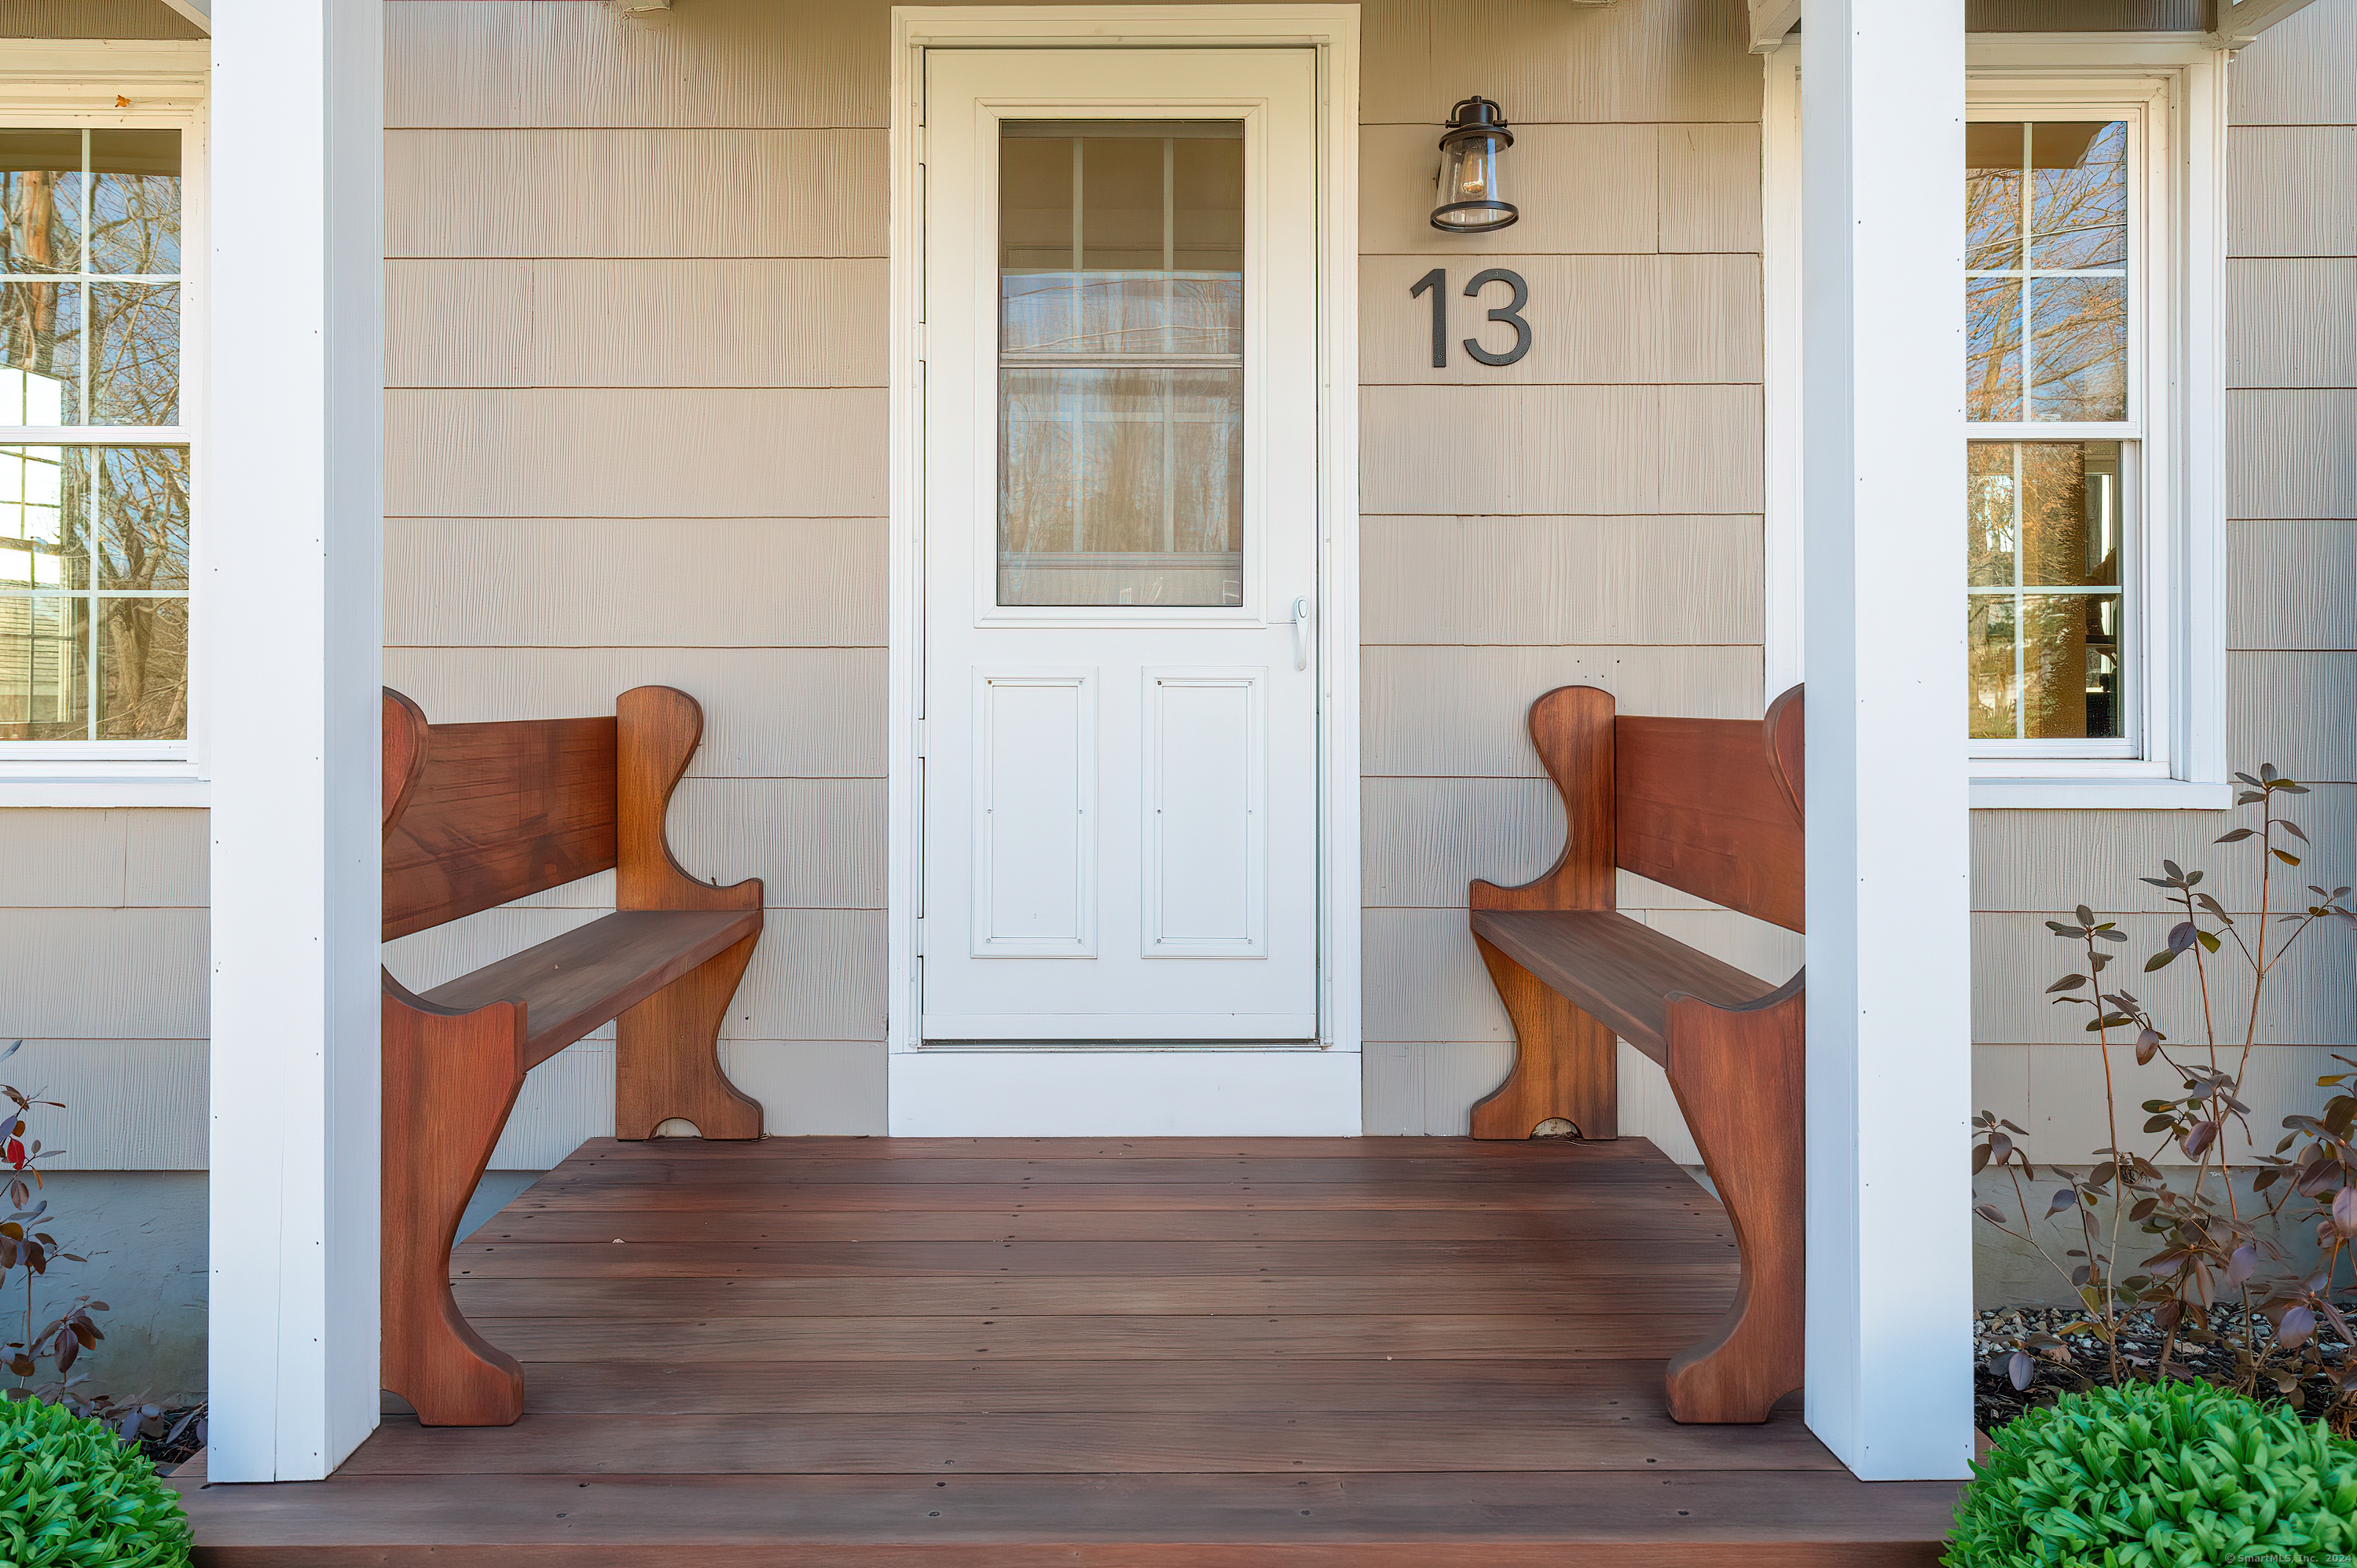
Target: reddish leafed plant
x=2202 y=1243
x=26 y=1249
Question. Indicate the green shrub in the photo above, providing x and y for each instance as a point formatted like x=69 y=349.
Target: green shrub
x=72 y=1495
x=2157 y=1476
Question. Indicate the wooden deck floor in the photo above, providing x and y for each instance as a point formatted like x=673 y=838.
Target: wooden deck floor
x=1379 y=1353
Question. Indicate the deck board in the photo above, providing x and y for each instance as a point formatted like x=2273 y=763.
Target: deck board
x=1384 y=1353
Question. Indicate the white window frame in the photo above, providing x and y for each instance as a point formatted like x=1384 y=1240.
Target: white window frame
x=159 y=85
x=2143 y=432
x=2175 y=596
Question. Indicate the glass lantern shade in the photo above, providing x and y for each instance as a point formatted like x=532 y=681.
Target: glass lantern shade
x=1467 y=198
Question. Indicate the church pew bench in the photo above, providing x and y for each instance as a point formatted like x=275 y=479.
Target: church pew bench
x=479 y=815
x=1714 y=808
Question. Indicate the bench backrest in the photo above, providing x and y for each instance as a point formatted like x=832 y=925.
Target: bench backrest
x=1714 y=808
x=480 y=815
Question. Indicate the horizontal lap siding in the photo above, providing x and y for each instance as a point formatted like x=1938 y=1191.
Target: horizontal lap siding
x=759 y=582
x=634 y=193
x=106 y=935
x=635 y=452
x=636 y=295
x=93 y=19
x=790 y=321
x=2291 y=665
x=1560 y=580
x=1589 y=515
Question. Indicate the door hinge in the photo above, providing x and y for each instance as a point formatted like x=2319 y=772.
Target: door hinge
x=920 y=936
x=920 y=738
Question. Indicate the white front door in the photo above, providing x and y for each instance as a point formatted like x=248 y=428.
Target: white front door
x=1121 y=500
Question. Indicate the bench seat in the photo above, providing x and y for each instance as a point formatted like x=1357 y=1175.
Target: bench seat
x=1620 y=972
x=592 y=976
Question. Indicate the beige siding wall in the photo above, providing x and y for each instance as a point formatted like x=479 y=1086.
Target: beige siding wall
x=1604 y=525
x=635 y=425
x=93 y=19
x=637 y=291
x=2291 y=628
x=104 y=926
x=635 y=417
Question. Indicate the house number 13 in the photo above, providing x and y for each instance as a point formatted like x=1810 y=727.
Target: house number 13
x=1436 y=283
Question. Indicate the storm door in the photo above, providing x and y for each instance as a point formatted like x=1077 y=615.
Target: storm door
x=1120 y=760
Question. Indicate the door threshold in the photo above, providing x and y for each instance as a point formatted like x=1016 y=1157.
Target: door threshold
x=1080 y=1092
x=1295 y=1045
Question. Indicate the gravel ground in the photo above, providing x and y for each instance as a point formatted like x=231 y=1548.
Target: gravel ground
x=1995 y=1400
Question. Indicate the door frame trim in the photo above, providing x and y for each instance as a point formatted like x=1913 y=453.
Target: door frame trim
x=1333 y=30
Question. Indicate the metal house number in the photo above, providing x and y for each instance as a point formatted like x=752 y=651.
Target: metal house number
x=1436 y=283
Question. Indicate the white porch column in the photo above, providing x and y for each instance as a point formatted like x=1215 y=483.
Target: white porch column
x=291 y=535
x=1890 y=1301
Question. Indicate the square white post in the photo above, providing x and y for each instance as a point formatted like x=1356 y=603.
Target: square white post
x=291 y=536
x=1890 y=1083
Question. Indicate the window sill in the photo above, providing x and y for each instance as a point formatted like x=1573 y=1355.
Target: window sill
x=93 y=785
x=2099 y=794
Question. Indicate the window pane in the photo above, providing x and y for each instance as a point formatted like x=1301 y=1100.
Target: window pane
x=1121 y=203
x=75 y=518
x=2070 y=672
x=2070 y=512
x=1121 y=487
x=1208 y=198
x=136 y=501
x=40 y=198
x=1989 y=666
x=1992 y=513
x=1121 y=384
x=2080 y=348
x=1992 y=154
x=143 y=671
x=2079 y=194
x=134 y=334
x=44 y=668
x=41 y=353
x=1992 y=348
x=133 y=374
x=134 y=202
x=2045 y=522
x=1096 y=314
x=35 y=548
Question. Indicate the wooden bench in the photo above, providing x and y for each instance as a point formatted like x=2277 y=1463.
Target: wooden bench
x=1713 y=807
x=480 y=815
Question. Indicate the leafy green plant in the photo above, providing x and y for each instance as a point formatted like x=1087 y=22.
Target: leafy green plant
x=2207 y=1245
x=72 y=1496
x=2155 y=1476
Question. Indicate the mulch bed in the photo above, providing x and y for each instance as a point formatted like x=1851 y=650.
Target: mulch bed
x=1995 y=1400
x=168 y=1452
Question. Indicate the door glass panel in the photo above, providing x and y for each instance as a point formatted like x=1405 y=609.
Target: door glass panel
x=1120 y=363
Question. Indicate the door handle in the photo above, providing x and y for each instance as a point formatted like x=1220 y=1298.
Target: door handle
x=1301 y=632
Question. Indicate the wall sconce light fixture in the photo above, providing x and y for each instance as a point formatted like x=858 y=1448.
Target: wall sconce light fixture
x=1467 y=198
